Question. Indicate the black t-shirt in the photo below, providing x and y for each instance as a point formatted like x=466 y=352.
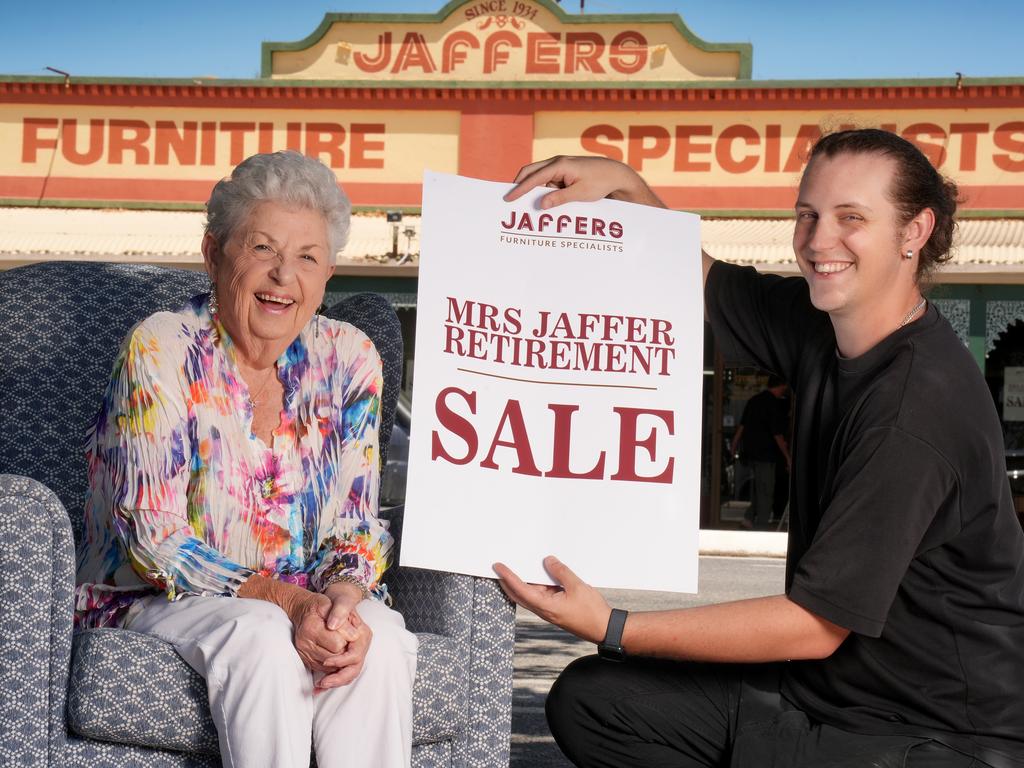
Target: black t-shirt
x=763 y=418
x=902 y=527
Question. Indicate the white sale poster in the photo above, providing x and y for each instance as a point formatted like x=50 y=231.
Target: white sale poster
x=557 y=395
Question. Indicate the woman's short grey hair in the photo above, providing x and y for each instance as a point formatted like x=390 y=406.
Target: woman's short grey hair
x=288 y=178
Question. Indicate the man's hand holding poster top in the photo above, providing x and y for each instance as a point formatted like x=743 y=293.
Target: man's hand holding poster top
x=557 y=389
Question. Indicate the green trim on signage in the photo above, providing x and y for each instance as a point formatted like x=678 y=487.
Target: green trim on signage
x=988 y=292
x=745 y=50
x=14 y=202
x=985 y=213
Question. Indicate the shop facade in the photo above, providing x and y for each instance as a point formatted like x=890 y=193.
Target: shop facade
x=481 y=89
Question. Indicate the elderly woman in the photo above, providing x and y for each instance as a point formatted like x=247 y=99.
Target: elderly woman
x=233 y=489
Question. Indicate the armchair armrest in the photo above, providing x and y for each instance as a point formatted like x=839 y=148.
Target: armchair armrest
x=36 y=582
x=477 y=614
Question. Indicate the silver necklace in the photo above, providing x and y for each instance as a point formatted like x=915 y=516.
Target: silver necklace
x=911 y=313
x=254 y=399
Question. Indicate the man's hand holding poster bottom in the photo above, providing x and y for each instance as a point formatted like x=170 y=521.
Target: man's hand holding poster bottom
x=557 y=393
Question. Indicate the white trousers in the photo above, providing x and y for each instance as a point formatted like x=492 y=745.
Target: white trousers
x=261 y=695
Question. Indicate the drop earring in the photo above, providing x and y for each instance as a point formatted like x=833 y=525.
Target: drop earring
x=214 y=306
x=319 y=311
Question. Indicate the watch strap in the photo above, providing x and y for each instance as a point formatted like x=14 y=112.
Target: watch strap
x=611 y=646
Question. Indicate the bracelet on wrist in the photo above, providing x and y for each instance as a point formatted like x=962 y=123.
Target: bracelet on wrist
x=347 y=578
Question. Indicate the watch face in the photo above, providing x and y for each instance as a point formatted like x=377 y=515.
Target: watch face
x=611 y=652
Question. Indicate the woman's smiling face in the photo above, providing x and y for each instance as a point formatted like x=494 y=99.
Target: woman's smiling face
x=270 y=276
x=847 y=235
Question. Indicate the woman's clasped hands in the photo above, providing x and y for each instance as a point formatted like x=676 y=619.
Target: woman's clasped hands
x=330 y=637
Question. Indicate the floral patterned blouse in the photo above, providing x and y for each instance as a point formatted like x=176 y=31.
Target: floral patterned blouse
x=185 y=499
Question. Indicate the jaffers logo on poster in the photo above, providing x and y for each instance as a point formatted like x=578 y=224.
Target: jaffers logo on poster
x=549 y=230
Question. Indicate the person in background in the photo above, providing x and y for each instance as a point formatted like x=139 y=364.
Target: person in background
x=899 y=640
x=760 y=440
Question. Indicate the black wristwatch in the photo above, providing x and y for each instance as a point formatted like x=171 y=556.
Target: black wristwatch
x=611 y=647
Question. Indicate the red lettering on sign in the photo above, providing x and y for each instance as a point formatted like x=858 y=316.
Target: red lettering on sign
x=520 y=442
x=583 y=52
x=513 y=422
x=379 y=62
x=455 y=424
x=593 y=138
x=293 y=134
x=453 y=53
x=561 y=448
x=237 y=132
x=484 y=8
x=801 y=151
x=129 y=136
x=724 y=152
x=361 y=144
x=496 y=50
x=772 y=134
x=934 y=151
x=542 y=52
x=326 y=138
x=183 y=143
x=266 y=140
x=741 y=148
x=207 y=143
x=628 y=52
x=1006 y=138
x=414 y=53
x=968 y=133
x=190 y=143
x=32 y=142
x=686 y=148
x=69 y=142
x=639 y=150
x=628 y=443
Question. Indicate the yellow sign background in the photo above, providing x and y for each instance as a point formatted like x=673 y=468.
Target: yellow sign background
x=768 y=148
x=502 y=40
x=198 y=144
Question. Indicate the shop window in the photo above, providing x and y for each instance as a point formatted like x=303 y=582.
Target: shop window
x=1004 y=372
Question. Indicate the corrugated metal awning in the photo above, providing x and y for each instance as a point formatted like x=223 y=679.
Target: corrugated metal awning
x=986 y=250
x=979 y=242
x=166 y=237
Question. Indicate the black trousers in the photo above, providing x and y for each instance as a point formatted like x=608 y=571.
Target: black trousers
x=647 y=713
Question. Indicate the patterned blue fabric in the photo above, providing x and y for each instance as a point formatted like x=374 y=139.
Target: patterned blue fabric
x=112 y=670
x=63 y=323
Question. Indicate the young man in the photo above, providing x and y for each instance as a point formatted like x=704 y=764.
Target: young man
x=900 y=637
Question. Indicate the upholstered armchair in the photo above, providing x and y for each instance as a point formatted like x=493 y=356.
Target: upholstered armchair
x=112 y=697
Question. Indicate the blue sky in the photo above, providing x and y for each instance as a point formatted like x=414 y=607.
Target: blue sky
x=792 y=40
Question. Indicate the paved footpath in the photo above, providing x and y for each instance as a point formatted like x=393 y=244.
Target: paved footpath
x=542 y=651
